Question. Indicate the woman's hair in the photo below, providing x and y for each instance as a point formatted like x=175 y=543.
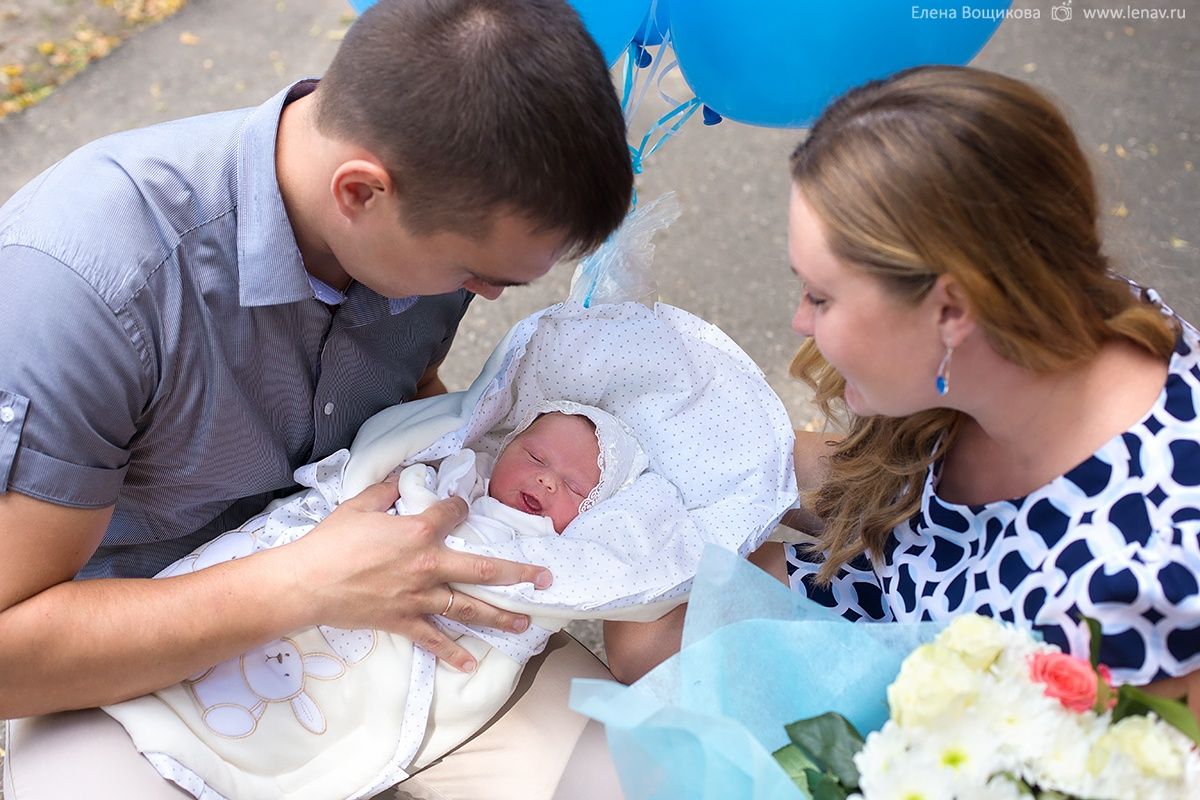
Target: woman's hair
x=954 y=171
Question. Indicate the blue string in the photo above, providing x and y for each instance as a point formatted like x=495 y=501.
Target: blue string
x=639 y=154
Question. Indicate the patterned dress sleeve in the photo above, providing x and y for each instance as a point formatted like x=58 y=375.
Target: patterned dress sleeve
x=854 y=593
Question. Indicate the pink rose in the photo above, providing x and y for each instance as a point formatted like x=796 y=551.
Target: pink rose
x=1071 y=681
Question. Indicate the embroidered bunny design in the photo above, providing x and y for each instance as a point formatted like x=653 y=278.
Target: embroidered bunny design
x=235 y=693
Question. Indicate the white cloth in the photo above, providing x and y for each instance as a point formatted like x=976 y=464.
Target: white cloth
x=719 y=448
x=243 y=728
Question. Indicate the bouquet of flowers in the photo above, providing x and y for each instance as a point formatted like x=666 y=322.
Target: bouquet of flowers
x=984 y=711
x=976 y=709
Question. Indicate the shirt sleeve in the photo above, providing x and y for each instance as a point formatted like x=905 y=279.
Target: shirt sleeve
x=72 y=384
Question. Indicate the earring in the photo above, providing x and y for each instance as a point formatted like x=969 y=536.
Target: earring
x=942 y=381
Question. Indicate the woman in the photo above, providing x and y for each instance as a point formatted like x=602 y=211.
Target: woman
x=1021 y=425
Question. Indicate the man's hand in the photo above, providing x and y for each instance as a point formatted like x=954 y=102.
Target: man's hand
x=364 y=568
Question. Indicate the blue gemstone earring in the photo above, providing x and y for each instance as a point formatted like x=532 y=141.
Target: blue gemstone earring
x=942 y=381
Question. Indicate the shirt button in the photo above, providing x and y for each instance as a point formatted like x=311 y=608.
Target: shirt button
x=7 y=414
x=328 y=409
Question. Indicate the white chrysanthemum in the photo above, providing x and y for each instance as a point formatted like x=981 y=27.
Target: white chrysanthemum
x=884 y=752
x=1062 y=765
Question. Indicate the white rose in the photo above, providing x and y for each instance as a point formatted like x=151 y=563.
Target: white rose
x=1143 y=742
x=933 y=681
x=979 y=640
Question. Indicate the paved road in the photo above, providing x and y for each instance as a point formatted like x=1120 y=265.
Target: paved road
x=1129 y=87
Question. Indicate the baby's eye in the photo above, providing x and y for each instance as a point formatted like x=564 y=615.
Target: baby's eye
x=535 y=457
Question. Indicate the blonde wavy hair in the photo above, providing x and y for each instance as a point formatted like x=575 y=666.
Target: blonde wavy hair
x=958 y=171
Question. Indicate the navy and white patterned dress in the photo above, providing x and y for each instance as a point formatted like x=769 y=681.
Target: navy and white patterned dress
x=1115 y=539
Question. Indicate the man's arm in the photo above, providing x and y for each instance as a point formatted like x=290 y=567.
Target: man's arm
x=74 y=644
x=430 y=383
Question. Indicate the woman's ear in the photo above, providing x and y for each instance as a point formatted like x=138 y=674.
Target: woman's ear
x=358 y=186
x=955 y=316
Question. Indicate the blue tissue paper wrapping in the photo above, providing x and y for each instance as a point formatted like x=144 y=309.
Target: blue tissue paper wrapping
x=755 y=657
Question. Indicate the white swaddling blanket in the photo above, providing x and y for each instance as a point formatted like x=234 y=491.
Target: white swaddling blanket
x=720 y=451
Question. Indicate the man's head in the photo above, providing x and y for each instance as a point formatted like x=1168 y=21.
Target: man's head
x=549 y=469
x=478 y=126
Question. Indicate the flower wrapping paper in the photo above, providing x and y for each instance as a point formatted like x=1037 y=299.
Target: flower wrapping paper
x=755 y=657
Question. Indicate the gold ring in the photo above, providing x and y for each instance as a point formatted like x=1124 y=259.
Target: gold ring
x=449 y=605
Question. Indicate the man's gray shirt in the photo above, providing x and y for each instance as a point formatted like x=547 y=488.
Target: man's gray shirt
x=165 y=351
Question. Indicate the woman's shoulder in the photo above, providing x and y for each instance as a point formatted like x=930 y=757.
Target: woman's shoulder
x=1161 y=451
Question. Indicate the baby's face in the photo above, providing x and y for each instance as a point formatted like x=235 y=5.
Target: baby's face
x=549 y=468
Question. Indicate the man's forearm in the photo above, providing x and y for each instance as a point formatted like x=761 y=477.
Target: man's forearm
x=86 y=643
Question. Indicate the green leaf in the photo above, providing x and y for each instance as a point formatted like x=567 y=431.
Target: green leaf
x=1132 y=700
x=830 y=742
x=1095 y=634
x=795 y=764
x=825 y=786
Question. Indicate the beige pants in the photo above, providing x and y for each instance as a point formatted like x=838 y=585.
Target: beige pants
x=535 y=748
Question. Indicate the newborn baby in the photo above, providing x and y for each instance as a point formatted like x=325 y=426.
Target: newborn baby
x=249 y=723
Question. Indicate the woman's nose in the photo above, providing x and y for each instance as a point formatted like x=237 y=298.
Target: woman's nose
x=802 y=319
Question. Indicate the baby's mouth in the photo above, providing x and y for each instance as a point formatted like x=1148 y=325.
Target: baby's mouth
x=531 y=503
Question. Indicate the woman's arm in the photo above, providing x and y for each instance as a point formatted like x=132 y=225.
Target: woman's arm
x=1185 y=687
x=635 y=648
x=811 y=456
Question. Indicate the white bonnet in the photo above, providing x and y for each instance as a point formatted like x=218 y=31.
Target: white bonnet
x=621 y=459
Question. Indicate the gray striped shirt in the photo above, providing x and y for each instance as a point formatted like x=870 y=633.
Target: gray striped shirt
x=165 y=351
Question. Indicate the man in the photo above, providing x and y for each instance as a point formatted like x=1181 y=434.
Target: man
x=200 y=307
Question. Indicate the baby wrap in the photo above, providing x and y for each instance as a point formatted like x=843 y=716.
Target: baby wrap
x=719 y=450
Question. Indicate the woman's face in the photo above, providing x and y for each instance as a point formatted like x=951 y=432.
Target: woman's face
x=887 y=349
x=549 y=468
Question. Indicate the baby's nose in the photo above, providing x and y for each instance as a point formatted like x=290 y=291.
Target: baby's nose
x=548 y=481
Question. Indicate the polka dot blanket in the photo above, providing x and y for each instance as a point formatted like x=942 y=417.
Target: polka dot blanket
x=328 y=713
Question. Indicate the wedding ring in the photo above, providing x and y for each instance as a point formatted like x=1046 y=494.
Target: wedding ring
x=449 y=605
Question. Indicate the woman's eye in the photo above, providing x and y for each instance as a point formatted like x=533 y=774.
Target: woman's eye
x=816 y=302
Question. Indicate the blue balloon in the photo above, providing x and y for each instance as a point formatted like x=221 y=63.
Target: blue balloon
x=780 y=62
x=360 y=6
x=654 y=27
x=612 y=23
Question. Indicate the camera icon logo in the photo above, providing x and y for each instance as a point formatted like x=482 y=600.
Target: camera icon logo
x=1061 y=12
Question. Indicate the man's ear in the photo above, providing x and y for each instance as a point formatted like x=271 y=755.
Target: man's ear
x=955 y=316
x=358 y=185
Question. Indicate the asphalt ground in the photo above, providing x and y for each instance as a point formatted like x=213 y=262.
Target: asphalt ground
x=1130 y=87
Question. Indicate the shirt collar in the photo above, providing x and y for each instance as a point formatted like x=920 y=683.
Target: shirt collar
x=270 y=268
x=335 y=297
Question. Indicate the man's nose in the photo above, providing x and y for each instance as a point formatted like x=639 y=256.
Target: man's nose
x=485 y=290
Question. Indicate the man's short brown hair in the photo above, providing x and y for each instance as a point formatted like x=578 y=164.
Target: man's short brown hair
x=479 y=106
